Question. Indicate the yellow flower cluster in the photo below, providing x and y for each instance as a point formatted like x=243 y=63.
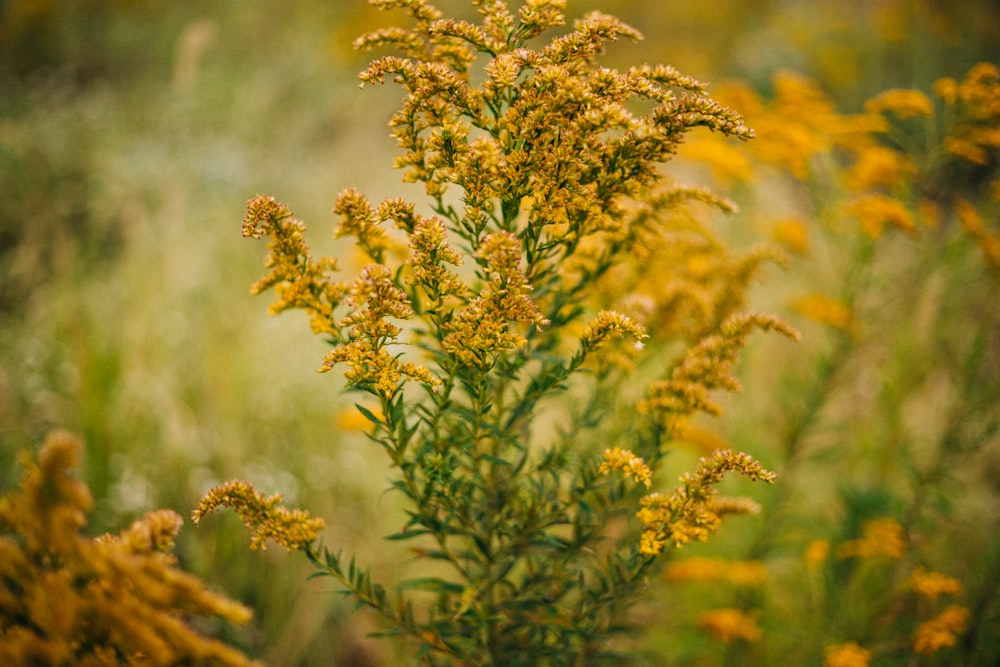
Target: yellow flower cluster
x=155 y=532
x=430 y=252
x=729 y=624
x=628 y=464
x=847 y=655
x=358 y=219
x=299 y=282
x=706 y=366
x=901 y=103
x=890 y=160
x=824 y=310
x=263 y=515
x=880 y=539
x=930 y=584
x=941 y=631
x=483 y=328
x=66 y=599
x=740 y=573
x=608 y=323
x=692 y=512
x=374 y=297
x=874 y=211
x=976 y=101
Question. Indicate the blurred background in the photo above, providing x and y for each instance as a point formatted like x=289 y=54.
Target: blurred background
x=132 y=132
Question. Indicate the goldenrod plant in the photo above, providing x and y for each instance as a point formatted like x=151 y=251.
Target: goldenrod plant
x=67 y=599
x=524 y=376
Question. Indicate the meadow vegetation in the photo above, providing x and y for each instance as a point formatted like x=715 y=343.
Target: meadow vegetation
x=541 y=330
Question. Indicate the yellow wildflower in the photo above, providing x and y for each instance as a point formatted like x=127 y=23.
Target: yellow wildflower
x=374 y=297
x=729 y=624
x=879 y=167
x=608 y=323
x=847 y=655
x=931 y=584
x=741 y=573
x=358 y=219
x=941 y=631
x=874 y=211
x=705 y=367
x=980 y=91
x=967 y=150
x=728 y=164
x=824 y=310
x=792 y=234
x=483 y=328
x=947 y=89
x=299 y=281
x=430 y=252
x=119 y=599
x=690 y=513
x=628 y=463
x=738 y=505
x=155 y=532
x=816 y=553
x=901 y=103
x=263 y=515
x=880 y=538
x=976 y=104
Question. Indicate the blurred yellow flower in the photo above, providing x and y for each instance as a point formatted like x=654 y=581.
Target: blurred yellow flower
x=741 y=573
x=824 y=310
x=947 y=89
x=729 y=624
x=729 y=163
x=966 y=149
x=879 y=167
x=791 y=233
x=352 y=419
x=880 y=538
x=874 y=211
x=846 y=655
x=931 y=584
x=901 y=103
x=941 y=631
x=816 y=553
x=700 y=439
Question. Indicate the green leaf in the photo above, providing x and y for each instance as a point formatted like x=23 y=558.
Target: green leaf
x=368 y=414
x=407 y=534
x=431 y=584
